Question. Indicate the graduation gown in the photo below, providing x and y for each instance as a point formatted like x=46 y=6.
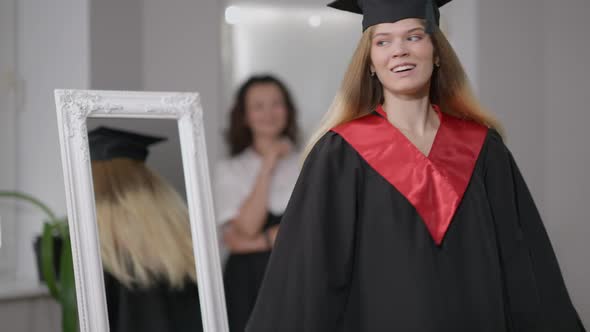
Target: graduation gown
x=156 y=309
x=379 y=237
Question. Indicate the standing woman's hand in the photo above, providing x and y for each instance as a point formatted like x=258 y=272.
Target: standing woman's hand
x=279 y=149
x=272 y=234
x=240 y=244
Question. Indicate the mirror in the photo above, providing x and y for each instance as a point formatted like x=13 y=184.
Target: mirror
x=150 y=239
x=143 y=225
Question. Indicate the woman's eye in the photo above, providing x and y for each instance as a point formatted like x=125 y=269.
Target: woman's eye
x=415 y=38
x=381 y=43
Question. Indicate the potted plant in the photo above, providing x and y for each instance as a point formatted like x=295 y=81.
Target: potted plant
x=57 y=270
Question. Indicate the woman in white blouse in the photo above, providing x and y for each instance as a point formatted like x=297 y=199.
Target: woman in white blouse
x=252 y=188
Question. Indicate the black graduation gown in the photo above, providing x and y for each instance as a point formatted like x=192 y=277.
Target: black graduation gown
x=156 y=309
x=353 y=254
x=242 y=276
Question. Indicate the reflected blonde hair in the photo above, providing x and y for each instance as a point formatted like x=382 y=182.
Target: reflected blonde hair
x=359 y=93
x=143 y=225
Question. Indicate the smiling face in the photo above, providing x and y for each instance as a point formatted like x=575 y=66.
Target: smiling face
x=402 y=56
x=266 y=112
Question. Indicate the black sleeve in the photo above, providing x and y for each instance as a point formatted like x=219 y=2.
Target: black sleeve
x=536 y=297
x=307 y=280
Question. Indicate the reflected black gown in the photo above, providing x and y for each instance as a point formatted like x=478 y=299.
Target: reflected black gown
x=242 y=278
x=354 y=254
x=155 y=309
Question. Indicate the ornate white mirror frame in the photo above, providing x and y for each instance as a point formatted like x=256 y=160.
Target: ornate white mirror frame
x=74 y=107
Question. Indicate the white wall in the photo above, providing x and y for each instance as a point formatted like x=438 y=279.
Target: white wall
x=150 y=45
x=182 y=52
x=533 y=73
x=566 y=151
x=116 y=40
x=459 y=22
x=510 y=67
x=8 y=82
x=117 y=63
x=53 y=52
x=311 y=61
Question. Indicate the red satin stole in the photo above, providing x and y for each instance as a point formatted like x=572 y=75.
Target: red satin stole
x=433 y=184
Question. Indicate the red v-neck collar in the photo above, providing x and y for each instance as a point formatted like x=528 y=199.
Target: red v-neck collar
x=433 y=184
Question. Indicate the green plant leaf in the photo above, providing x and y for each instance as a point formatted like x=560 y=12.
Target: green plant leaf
x=47 y=260
x=69 y=319
x=64 y=290
x=68 y=289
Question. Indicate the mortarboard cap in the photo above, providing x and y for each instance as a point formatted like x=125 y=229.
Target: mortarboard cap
x=390 y=11
x=108 y=143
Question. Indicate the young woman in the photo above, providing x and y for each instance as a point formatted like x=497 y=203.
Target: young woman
x=410 y=213
x=253 y=187
x=145 y=238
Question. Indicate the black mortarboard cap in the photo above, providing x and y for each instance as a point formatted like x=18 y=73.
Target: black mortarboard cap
x=108 y=143
x=390 y=11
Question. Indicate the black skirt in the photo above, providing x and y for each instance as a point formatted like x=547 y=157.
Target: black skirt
x=242 y=277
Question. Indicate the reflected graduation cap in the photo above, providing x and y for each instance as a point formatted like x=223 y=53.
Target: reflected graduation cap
x=390 y=11
x=108 y=143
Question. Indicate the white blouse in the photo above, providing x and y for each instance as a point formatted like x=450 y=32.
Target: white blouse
x=235 y=178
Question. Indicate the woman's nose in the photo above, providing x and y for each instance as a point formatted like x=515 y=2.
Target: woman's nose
x=399 y=51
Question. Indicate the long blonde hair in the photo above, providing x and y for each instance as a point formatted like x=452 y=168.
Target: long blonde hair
x=143 y=225
x=359 y=93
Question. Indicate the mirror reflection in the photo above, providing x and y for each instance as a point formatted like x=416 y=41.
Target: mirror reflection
x=143 y=224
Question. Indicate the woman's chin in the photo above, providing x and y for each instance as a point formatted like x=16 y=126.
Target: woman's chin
x=408 y=90
x=269 y=133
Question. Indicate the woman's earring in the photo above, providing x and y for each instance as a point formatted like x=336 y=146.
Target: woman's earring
x=437 y=63
x=372 y=73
